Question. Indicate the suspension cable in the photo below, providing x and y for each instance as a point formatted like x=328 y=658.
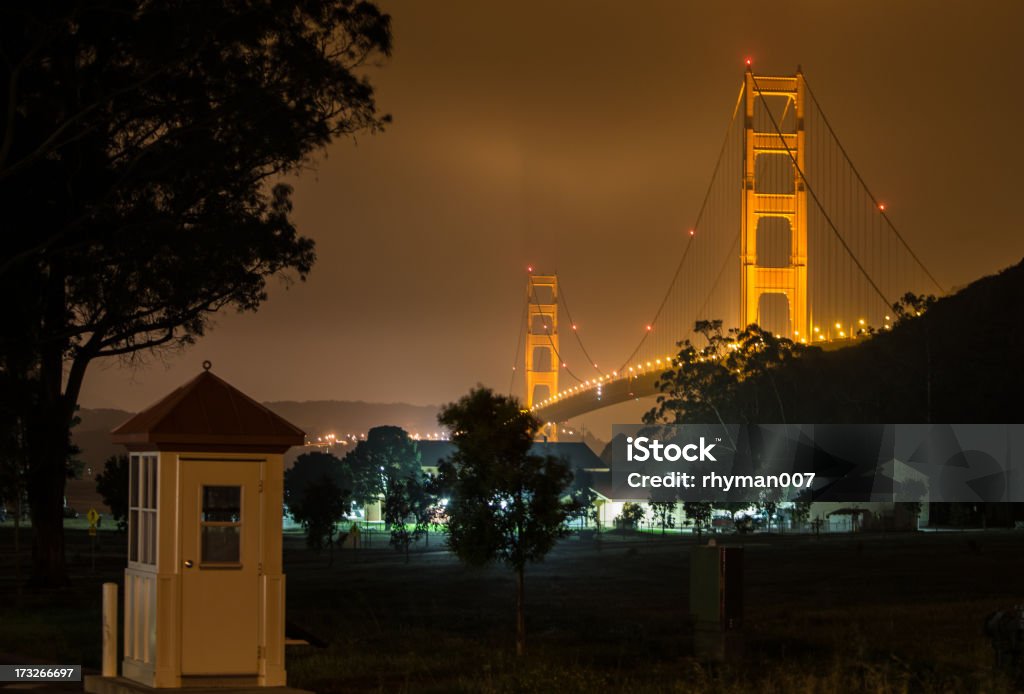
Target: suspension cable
x=561 y=363
x=696 y=225
x=575 y=332
x=867 y=190
x=519 y=344
x=817 y=202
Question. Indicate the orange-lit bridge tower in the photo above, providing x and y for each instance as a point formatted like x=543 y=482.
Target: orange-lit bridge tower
x=542 y=360
x=758 y=204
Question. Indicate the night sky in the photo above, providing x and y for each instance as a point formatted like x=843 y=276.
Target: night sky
x=576 y=136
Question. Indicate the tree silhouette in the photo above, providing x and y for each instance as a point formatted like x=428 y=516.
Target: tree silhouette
x=505 y=504
x=700 y=513
x=663 y=513
x=112 y=485
x=141 y=150
x=387 y=453
x=308 y=470
x=323 y=505
x=408 y=500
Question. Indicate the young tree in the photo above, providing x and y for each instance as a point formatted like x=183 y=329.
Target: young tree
x=664 y=514
x=800 y=512
x=700 y=513
x=768 y=504
x=112 y=485
x=504 y=503
x=322 y=506
x=408 y=500
x=142 y=144
x=630 y=515
x=583 y=497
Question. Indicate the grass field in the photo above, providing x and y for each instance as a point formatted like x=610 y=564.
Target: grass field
x=874 y=613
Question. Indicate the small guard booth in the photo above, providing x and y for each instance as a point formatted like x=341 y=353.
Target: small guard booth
x=204 y=595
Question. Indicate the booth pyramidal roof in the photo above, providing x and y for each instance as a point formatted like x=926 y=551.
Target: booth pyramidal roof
x=208 y=414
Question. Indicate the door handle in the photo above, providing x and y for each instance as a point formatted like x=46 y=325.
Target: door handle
x=188 y=563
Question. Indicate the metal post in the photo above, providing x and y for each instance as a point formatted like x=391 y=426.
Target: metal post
x=110 y=630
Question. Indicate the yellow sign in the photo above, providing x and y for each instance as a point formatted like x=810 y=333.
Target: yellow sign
x=93 y=517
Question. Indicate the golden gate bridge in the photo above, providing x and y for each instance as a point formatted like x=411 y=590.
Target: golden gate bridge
x=789 y=236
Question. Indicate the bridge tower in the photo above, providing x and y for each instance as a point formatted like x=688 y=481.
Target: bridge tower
x=542 y=360
x=756 y=279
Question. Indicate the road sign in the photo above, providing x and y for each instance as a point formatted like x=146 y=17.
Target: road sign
x=93 y=517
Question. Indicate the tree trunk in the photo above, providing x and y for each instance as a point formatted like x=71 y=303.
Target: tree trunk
x=520 y=614
x=48 y=439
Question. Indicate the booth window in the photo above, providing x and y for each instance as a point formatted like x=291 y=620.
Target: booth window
x=142 y=491
x=221 y=524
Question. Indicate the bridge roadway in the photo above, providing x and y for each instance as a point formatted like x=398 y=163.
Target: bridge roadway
x=633 y=385
x=610 y=392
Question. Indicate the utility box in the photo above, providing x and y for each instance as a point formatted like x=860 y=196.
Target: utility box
x=204 y=593
x=716 y=600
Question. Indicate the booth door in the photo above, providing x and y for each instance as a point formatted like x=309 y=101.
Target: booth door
x=220 y=555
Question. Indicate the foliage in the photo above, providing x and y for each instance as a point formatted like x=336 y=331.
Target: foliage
x=505 y=504
x=322 y=506
x=699 y=512
x=767 y=504
x=112 y=485
x=387 y=453
x=731 y=507
x=716 y=382
x=630 y=516
x=582 y=497
x=140 y=159
x=318 y=495
x=408 y=500
x=664 y=514
x=800 y=512
x=912 y=306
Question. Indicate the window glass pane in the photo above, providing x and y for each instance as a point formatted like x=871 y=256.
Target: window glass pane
x=221 y=543
x=133 y=536
x=144 y=537
x=151 y=464
x=151 y=538
x=133 y=483
x=144 y=485
x=222 y=504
